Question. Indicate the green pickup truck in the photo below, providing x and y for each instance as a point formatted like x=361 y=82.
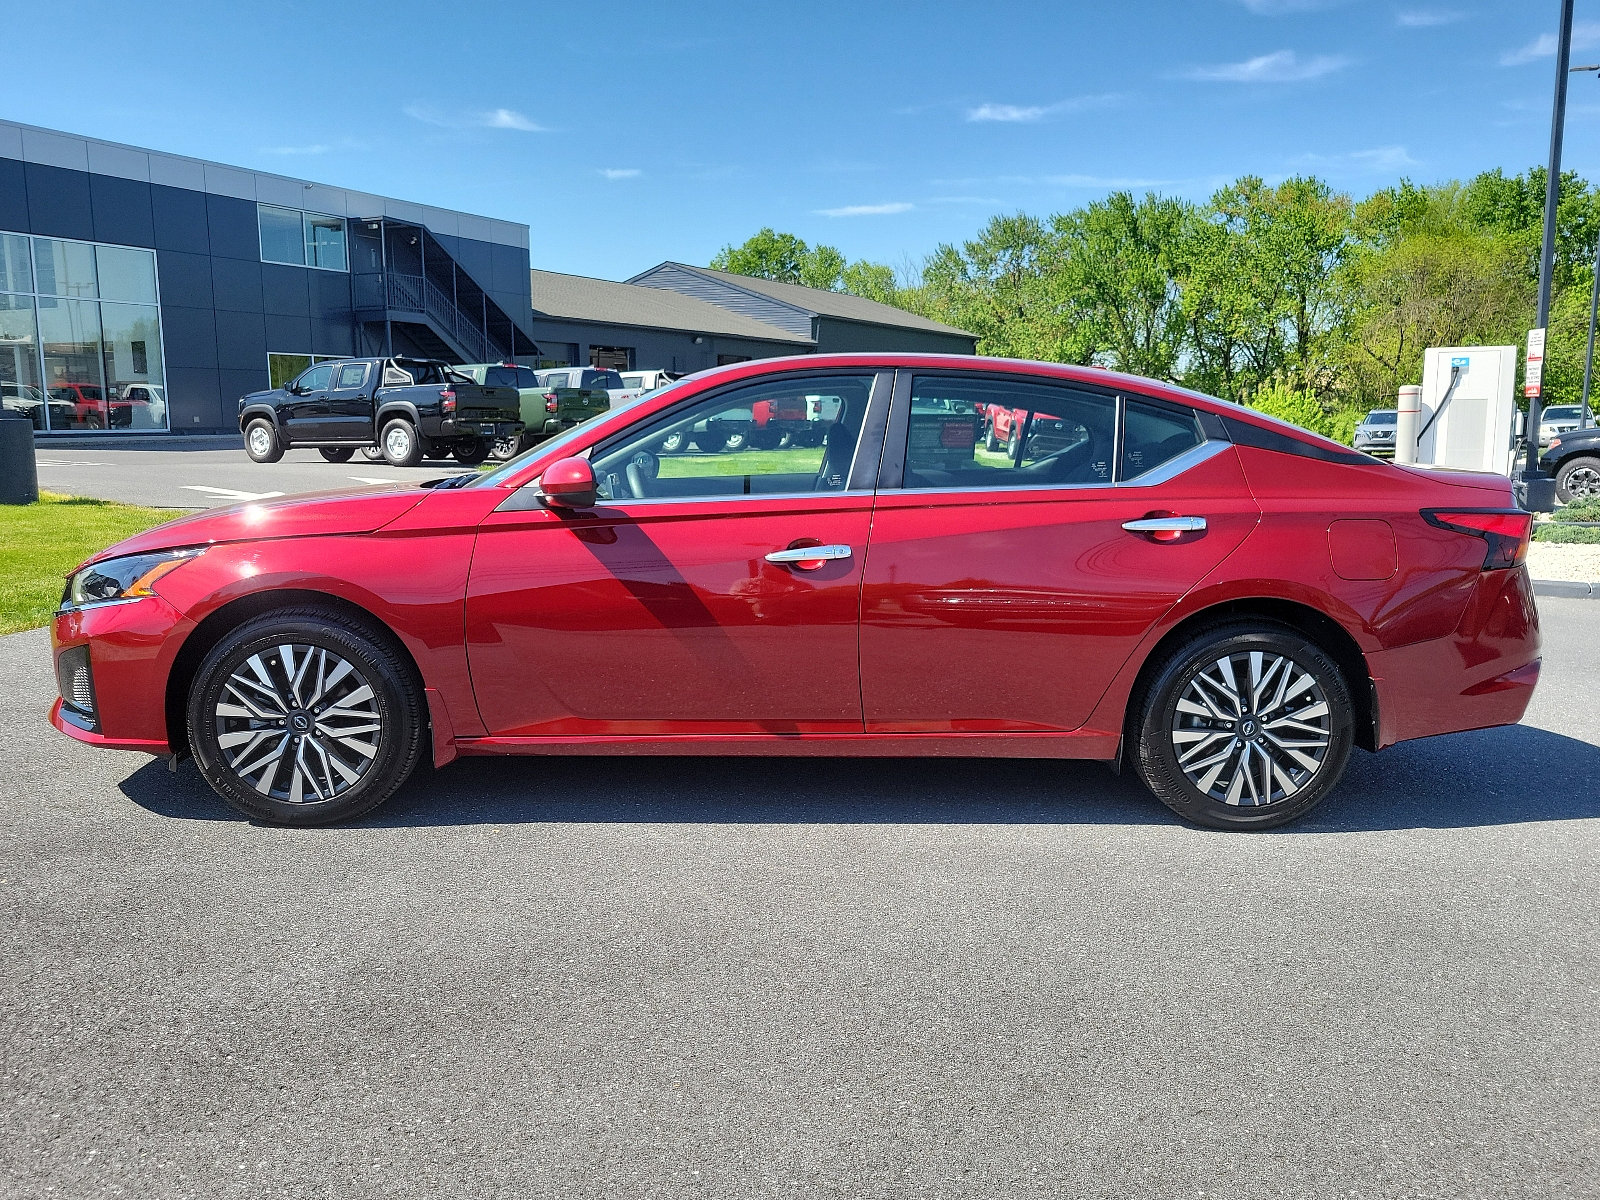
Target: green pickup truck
x=546 y=411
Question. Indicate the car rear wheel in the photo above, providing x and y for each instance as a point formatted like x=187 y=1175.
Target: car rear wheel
x=673 y=443
x=400 y=444
x=372 y=453
x=261 y=441
x=302 y=717
x=470 y=454
x=507 y=448
x=990 y=442
x=1578 y=479
x=1244 y=727
x=337 y=454
x=736 y=440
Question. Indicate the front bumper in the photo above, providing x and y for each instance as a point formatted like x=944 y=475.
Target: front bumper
x=131 y=647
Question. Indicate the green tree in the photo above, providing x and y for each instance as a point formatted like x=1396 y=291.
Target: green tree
x=788 y=259
x=765 y=255
x=1115 y=275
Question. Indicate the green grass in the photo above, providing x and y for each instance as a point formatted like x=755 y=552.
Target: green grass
x=1568 y=535
x=40 y=543
x=799 y=461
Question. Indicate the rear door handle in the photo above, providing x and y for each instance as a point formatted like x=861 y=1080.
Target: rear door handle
x=1165 y=525
x=809 y=557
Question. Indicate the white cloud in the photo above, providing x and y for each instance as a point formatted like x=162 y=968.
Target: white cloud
x=317 y=149
x=496 y=118
x=621 y=172
x=1426 y=18
x=1585 y=36
x=1037 y=112
x=1281 y=66
x=866 y=210
x=1378 y=160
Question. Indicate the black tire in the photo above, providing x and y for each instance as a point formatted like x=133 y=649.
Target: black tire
x=471 y=454
x=1578 y=478
x=362 y=778
x=674 y=443
x=1013 y=443
x=337 y=454
x=735 y=440
x=990 y=442
x=372 y=454
x=400 y=443
x=1241 y=744
x=261 y=441
x=504 y=449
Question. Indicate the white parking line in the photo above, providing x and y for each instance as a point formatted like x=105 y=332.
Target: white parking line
x=375 y=479
x=229 y=493
x=66 y=462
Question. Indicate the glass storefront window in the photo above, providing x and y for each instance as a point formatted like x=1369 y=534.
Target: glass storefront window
x=126 y=274
x=325 y=242
x=135 y=384
x=83 y=351
x=281 y=368
x=64 y=268
x=19 y=359
x=69 y=336
x=16 y=264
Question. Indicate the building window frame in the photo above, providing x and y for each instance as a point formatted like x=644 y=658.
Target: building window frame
x=305 y=243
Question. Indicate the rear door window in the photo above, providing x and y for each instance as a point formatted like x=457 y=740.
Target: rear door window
x=1154 y=434
x=351 y=375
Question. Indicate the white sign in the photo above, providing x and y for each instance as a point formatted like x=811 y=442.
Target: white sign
x=1533 y=374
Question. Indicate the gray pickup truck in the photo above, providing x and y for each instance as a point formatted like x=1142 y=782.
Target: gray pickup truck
x=410 y=408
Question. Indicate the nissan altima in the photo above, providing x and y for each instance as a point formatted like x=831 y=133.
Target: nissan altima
x=1222 y=603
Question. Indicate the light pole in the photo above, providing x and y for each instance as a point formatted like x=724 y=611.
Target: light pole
x=1594 y=308
x=1537 y=490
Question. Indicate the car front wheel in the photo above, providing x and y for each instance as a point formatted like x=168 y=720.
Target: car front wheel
x=1578 y=479
x=302 y=717
x=261 y=441
x=1244 y=727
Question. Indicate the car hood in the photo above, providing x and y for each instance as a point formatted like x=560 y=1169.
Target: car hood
x=314 y=514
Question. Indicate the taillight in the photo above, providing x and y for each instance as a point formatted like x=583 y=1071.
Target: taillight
x=552 y=403
x=1506 y=530
x=447 y=399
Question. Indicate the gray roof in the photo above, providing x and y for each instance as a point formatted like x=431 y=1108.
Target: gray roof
x=579 y=298
x=840 y=305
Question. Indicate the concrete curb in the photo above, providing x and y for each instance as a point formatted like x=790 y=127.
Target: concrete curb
x=137 y=441
x=1567 y=588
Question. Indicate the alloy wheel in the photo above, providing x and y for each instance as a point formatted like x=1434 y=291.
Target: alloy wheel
x=298 y=723
x=1252 y=729
x=1583 y=481
x=397 y=442
x=260 y=440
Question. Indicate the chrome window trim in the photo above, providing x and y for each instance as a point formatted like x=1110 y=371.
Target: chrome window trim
x=1164 y=473
x=742 y=497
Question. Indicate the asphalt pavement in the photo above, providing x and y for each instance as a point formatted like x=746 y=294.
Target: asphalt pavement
x=206 y=472
x=712 y=977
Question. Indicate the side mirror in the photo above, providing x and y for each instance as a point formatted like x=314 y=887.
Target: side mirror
x=569 y=483
x=292 y=388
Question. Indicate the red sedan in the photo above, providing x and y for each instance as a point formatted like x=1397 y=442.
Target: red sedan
x=1223 y=603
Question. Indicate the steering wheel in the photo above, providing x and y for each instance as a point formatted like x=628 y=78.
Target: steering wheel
x=642 y=469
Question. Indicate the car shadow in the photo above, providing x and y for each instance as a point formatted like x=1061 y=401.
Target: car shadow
x=1493 y=777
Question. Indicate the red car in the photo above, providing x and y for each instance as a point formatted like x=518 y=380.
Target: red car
x=1226 y=604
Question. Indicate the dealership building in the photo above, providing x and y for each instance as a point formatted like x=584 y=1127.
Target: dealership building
x=145 y=291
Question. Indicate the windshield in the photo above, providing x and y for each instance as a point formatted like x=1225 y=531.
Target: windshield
x=566 y=437
x=1562 y=412
x=1384 y=416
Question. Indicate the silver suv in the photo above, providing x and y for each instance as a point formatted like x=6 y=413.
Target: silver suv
x=1375 y=434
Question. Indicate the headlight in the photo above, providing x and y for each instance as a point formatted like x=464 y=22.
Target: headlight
x=1555 y=442
x=126 y=578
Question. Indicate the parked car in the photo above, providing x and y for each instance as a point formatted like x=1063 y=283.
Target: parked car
x=546 y=411
x=88 y=402
x=1559 y=419
x=637 y=383
x=1574 y=460
x=139 y=406
x=32 y=403
x=1375 y=434
x=1226 y=604
x=410 y=408
x=587 y=379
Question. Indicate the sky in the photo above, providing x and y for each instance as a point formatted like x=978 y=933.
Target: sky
x=625 y=133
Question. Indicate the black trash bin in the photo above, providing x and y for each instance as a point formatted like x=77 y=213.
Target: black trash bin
x=19 y=475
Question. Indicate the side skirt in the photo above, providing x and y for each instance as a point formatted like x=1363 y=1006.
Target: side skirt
x=1083 y=743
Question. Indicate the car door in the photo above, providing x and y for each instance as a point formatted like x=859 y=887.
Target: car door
x=305 y=408
x=349 y=412
x=703 y=594
x=1003 y=590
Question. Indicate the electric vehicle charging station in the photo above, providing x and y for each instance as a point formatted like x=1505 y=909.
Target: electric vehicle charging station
x=1468 y=417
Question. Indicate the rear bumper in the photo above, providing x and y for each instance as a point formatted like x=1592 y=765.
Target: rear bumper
x=1481 y=675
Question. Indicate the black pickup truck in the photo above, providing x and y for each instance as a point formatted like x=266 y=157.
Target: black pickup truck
x=410 y=408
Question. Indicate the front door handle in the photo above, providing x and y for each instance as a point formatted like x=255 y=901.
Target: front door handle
x=1171 y=526
x=808 y=558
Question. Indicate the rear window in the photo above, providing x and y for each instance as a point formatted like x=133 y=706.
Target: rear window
x=1153 y=434
x=517 y=377
x=602 y=379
